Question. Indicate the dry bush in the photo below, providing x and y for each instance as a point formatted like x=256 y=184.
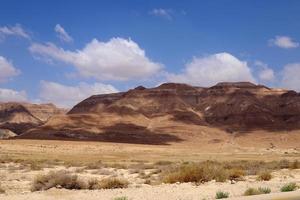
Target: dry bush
x=197 y=173
x=295 y=165
x=1 y=190
x=264 y=176
x=60 y=178
x=236 y=174
x=113 y=183
x=163 y=162
x=95 y=165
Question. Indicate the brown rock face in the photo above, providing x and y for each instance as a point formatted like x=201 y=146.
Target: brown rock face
x=171 y=112
x=20 y=117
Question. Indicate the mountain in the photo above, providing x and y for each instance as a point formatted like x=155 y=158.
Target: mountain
x=175 y=112
x=20 y=117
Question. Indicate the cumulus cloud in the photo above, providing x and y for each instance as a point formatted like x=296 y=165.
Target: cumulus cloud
x=62 y=34
x=7 y=95
x=7 y=70
x=209 y=70
x=117 y=59
x=160 y=12
x=283 y=42
x=290 y=76
x=16 y=30
x=265 y=73
x=68 y=96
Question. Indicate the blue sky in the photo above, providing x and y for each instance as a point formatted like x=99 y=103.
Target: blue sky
x=64 y=51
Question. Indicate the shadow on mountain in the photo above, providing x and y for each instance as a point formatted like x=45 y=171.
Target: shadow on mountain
x=130 y=133
x=118 y=133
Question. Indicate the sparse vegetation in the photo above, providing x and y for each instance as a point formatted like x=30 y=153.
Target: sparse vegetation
x=264 y=176
x=257 y=191
x=60 y=178
x=288 y=187
x=222 y=195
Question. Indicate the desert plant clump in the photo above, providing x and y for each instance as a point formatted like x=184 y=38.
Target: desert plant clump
x=288 y=187
x=222 y=195
x=60 y=178
x=264 y=176
x=113 y=183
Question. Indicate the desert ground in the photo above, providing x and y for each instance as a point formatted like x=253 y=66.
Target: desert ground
x=142 y=166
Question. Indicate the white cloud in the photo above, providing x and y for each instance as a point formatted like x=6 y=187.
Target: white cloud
x=62 y=34
x=117 y=59
x=16 y=30
x=7 y=95
x=283 y=42
x=290 y=76
x=7 y=70
x=160 y=12
x=265 y=73
x=209 y=70
x=68 y=96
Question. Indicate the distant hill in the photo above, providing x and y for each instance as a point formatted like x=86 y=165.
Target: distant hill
x=175 y=112
x=20 y=117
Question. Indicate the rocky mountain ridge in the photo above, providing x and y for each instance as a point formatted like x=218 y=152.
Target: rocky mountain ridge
x=173 y=111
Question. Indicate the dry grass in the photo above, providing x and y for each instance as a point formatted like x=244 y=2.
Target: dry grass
x=113 y=183
x=60 y=178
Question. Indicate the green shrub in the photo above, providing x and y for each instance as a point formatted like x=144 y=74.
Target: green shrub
x=222 y=195
x=60 y=178
x=288 y=187
x=264 y=176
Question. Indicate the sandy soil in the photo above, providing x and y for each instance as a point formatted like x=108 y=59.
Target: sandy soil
x=17 y=180
x=186 y=191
